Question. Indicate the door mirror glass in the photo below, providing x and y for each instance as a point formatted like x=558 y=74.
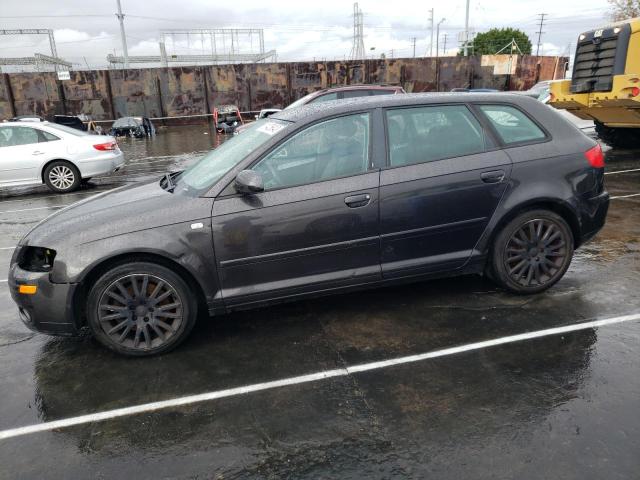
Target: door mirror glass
x=248 y=181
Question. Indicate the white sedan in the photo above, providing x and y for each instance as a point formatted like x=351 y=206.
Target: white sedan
x=58 y=156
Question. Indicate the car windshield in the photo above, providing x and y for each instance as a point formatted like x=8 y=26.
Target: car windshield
x=127 y=122
x=69 y=130
x=301 y=101
x=203 y=174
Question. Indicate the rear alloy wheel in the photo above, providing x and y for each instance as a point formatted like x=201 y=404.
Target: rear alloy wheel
x=532 y=252
x=62 y=177
x=141 y=309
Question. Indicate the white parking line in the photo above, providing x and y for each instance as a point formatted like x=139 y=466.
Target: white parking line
x=625 y=196
x=622 y=171
x=313 y=377
x=37 y=208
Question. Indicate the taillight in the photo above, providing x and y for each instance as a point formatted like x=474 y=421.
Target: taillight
x=595 y=157
x=635 y=91
x=104 y=147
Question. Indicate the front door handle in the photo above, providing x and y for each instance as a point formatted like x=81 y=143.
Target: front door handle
x=356 y=201
x=37 y=152
x=494 y=176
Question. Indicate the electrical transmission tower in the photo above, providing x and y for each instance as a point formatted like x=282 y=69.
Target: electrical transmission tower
x=540 y=32
x=357 y=50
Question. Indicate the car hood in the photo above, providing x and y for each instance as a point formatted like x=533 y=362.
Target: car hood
x=124 y=210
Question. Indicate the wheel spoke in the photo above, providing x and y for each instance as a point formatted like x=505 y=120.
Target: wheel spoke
x=159 y=332
x=529 y=274
x=518 y=267
x=125 y=293
x=145 y=285
x=168 y=315
x=118 y=327
x=124 y=334
x=156 y=290
x=136 y=339
x=147 y=336
x=551 y=238
x=169 y=306
x=113 y=316
x=134 y=285
x=166 y=326
x=113 y=308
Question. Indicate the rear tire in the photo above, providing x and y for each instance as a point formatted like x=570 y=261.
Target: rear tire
x=141 y=309
x=532 y=252
x=618 y=137
x=62 y=177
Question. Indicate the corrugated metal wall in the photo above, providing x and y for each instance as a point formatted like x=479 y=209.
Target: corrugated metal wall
x=184 y=91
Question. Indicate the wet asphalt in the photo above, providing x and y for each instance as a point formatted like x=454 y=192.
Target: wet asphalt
x=563 y=406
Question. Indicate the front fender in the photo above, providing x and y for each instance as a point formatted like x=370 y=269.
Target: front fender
x=180 y=243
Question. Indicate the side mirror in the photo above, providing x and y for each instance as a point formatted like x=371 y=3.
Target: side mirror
x=248 y=181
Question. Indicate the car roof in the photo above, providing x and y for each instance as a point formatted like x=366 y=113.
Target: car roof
x=26 y=123
x=357 y=87
x=312 y=111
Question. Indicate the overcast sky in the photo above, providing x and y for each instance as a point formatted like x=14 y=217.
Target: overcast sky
x=86 y=31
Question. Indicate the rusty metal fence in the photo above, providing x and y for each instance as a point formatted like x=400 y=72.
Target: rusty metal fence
x=191 y=92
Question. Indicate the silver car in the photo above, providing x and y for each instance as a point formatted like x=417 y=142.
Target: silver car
x=61 y=157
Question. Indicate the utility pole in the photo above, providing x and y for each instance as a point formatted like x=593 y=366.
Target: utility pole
x=540 y=32
x=444 y=48
x=431 y=42
x=466 y=31
x=438 y=36
x=124 y=37
x=414 y=46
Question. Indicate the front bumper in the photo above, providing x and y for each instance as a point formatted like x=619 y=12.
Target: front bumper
x=594 y=214
x=50 y=310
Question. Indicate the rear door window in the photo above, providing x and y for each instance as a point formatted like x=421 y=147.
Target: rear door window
x=425 y=134
x=512 y=125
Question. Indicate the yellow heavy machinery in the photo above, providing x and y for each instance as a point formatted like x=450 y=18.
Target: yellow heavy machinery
x=605 y=85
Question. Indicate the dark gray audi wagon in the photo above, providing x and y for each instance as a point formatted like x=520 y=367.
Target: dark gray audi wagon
x=316 y=200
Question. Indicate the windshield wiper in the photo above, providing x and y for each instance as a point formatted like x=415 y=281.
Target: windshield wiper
x=168 y=181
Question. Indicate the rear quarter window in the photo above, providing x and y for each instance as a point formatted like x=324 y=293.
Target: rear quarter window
x=512 y=125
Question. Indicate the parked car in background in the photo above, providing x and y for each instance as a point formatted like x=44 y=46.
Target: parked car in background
x=310 y=201
x=61 y=157
x=70 y=121
x=341 y=93
x=537 y=89
x=138 y=127
x=227 y=118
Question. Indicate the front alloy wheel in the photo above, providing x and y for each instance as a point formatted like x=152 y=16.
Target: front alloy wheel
x=141 y=309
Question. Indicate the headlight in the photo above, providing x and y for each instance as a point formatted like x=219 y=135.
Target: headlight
x=36 y=259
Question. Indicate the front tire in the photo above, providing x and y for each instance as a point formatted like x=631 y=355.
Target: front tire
x=532 y=252
x=62 y=177
x=141 y=309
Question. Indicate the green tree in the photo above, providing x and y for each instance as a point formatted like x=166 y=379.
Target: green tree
x=624 y=9
x=491 y=42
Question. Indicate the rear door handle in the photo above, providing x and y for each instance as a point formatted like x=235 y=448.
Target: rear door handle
x=37 y=152
x=356 y=201
x=494 y=176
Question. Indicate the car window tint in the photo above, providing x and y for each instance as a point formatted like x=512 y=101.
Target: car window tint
x=47 y=137
x=425 y=134
x=325 y=98
x=382 y=92
x=512 y=125
x=331 y=149
x=14 y=136
x=355 y=93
